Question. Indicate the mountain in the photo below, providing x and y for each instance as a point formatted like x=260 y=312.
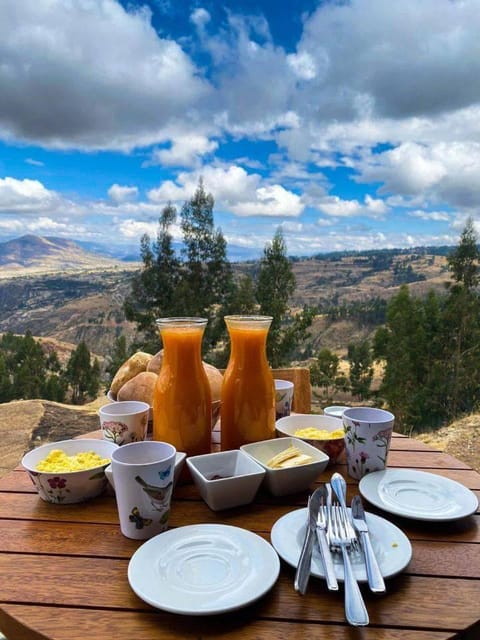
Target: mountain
x=32 y=254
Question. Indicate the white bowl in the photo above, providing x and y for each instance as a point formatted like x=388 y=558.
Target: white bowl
x=226 y=479
x=334 y=448
x=73 y=486
x=281 y=482
x=335 y=410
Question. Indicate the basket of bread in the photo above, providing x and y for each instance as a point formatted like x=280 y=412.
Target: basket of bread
x=136 y=379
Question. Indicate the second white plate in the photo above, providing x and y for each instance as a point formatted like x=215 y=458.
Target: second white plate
x=391 y=546
x=418 y=495
x=203 y=569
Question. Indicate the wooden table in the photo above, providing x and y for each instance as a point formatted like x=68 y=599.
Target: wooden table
x=63 y=571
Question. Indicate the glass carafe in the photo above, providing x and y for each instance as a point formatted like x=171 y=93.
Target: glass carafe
x=182 y=412
x=248 y=390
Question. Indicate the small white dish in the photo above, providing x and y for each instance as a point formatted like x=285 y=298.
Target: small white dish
x=418 y=495
x=333 y=447
x=203 y=569
x=287 y=480
x=335 y=410
x=226 y=479
x=391 y=546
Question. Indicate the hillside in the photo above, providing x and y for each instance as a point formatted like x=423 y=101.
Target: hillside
x=87 y=304
x=35 y=255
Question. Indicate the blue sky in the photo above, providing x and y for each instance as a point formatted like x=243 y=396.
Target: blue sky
x=350 y=125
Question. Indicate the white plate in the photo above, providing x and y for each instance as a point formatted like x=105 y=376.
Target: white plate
x=203 y=569
x=418 y=495
x=391 y=546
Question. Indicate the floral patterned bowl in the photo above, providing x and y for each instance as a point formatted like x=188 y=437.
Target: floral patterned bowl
x=69 y=487
x=333 y=447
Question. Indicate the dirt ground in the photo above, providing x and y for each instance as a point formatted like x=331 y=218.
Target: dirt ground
x=461 y=439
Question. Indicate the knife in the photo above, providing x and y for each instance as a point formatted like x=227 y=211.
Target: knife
x=322 y=524
x=302 y=573
x=374 y=575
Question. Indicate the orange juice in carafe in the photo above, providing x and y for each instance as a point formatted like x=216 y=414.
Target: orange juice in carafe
x=248 y=390
x=182 y=400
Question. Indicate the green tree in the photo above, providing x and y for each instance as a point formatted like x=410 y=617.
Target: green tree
x=403 y=347
x=81 y=375
x=274 y=287
x=207 y=284
x=324 y=372
x=118 y=356
x=461 y=325
x=463 y=261
x=155 y=287
x=361 y=368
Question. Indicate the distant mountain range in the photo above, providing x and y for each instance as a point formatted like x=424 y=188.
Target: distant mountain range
x=35 y=254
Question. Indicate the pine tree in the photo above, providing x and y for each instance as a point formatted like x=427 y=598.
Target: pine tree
x=79 y=373
x=274 y=287
x=361 y=368
x=154 y=290
x=207 y=286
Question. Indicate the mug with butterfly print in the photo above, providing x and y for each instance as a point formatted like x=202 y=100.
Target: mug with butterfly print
x=142 y=475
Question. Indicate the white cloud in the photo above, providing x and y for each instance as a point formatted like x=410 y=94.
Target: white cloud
x=437 y=216
x=119 y=193
x=25 y=196
x=337 y=207
x=99 y=76
x=234 y=190
x=185 y=151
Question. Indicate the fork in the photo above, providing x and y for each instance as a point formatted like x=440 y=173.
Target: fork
x=339 y=487
x=355 y=609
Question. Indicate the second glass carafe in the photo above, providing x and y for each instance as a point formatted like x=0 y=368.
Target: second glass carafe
x=248 y=390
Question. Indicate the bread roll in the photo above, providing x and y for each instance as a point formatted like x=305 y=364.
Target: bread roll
x=155 y=363
x=129 y=369
x=215 y=378
x=139 y=388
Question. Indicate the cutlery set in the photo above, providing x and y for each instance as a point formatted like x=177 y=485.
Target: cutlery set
x=341 y=531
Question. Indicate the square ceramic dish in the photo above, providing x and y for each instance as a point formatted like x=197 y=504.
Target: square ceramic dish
x=226 y=479
x=288 y=479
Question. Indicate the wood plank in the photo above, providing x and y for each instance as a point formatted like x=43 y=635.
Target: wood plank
x=432 y=557
x=258 y=517
x=79 y=624
x=450 y=603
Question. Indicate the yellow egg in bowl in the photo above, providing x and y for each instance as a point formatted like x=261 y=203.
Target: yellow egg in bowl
x=321 y=431
x=69 y=471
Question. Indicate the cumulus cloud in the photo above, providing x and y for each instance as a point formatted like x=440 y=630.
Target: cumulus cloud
x=337 y=207
x=119 y=193
x=98 y=76
x=235 y=190
x=25 y=196
x=184 y=151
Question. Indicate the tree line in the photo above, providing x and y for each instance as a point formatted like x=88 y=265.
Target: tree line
x=429 y=348
x=27 y=371
x=198 y=280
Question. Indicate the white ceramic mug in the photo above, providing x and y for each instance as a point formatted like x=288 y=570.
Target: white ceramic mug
x=368 y=432
x=124 y=422
x=283 y=398
x=142 y=475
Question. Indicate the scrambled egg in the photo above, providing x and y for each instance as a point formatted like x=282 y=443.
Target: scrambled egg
x=319 y=434
x=57 y=461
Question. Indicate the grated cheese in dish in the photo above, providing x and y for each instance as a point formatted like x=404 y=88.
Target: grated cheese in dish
x=319 y=434
x=57 y=461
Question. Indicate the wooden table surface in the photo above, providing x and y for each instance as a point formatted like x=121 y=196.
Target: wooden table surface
x=63 y=571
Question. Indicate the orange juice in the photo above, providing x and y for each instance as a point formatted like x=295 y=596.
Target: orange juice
x=248 y=390
x=181 y=400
